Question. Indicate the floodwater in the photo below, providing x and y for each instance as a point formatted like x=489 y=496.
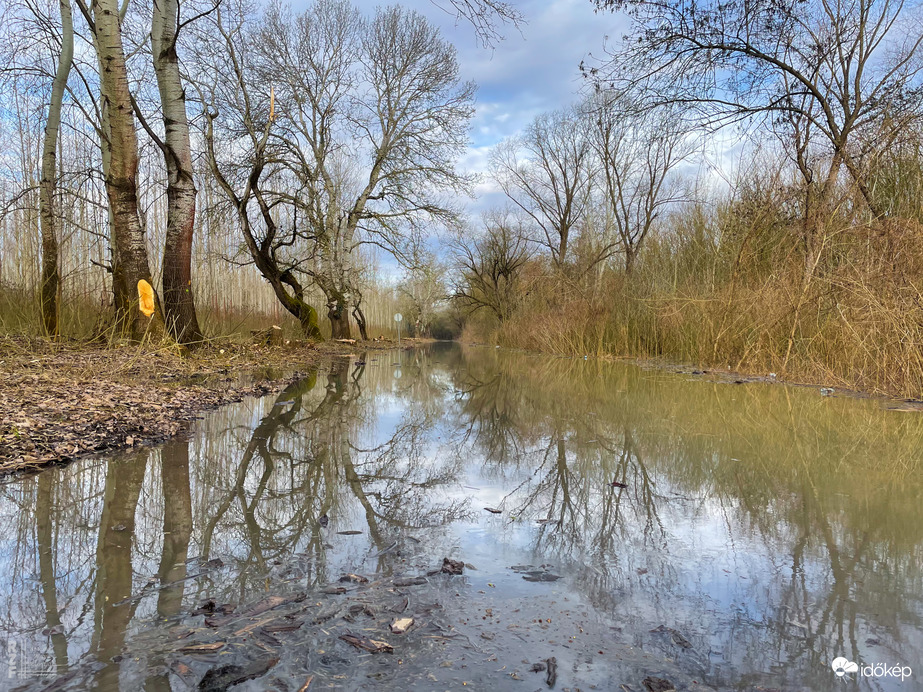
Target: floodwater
x=762 y=532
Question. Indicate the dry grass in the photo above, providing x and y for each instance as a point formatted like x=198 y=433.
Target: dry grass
x=715 y=300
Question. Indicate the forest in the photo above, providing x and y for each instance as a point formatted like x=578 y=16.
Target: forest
x=735 y=184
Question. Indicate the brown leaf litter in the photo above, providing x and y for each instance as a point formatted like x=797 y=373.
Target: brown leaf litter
x=59 y=401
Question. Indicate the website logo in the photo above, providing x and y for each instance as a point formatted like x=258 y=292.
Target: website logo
x=841 y=666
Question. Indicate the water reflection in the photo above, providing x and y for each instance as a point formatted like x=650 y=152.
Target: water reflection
x=746 y=535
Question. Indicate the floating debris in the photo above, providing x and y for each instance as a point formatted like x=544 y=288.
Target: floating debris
x=677 y=638
x=410 y=581
x=354 y=578
x=203 y=648
x=401 y=625
x=373 y=646
x=536 y=574
x=209 y=607
x=653 y=684
x=552 y=677
x=220 y=679
x=452 y=566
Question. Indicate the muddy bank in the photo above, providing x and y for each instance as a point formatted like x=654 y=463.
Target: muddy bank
x=59 y=401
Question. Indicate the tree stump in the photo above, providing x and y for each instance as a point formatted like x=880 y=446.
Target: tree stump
x=271 y=336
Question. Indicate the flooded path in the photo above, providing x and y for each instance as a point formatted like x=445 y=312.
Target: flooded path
x=615 y=527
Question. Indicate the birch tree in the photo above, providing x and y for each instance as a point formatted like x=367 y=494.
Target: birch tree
x=48 y=185
x=178 y=299
x=120 y=163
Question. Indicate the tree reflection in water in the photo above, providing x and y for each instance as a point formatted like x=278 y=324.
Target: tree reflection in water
x=753 y=519
x=730 y=528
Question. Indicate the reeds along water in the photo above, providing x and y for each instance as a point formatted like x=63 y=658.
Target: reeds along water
x=730 y=284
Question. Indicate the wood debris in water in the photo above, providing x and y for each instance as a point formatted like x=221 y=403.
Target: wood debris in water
x=373 y=646
x=401 y=625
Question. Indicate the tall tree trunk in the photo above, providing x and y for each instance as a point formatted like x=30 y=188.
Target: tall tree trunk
x=50 y=273
x=113 y=565
x=307 y=316
x=630 y=256
x=178 y=300
x=177 y=524
x=338 y=313
x=130 y=263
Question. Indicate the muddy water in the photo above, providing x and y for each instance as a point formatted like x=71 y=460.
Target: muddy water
x=762 y=531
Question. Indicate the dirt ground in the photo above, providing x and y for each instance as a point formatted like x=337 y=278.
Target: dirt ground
x=59 y=401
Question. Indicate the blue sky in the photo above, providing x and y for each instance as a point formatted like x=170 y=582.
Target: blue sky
x=532 y=71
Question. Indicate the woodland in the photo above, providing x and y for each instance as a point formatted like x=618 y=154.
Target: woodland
x=736 y=185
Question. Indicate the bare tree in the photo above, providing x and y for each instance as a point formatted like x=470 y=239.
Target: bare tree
x=852 y=70
x=490 y=267
x=238 y=116
x=486 y=16
x=120 y=147
x=637 y=153
x=423 y=287
x=369 y=116
x=50 y=274
x=178 y=299
x=546 y=173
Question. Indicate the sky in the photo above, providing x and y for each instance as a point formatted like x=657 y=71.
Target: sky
x=535 y=69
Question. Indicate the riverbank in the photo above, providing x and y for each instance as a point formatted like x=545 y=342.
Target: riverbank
x=60 y=401
x=725 y=375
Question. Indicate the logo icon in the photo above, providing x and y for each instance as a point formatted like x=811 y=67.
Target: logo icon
x=841 y=666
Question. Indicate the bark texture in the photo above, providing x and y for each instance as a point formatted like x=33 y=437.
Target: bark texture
x=178 y=299
x=130 y=261
x=338 y=314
